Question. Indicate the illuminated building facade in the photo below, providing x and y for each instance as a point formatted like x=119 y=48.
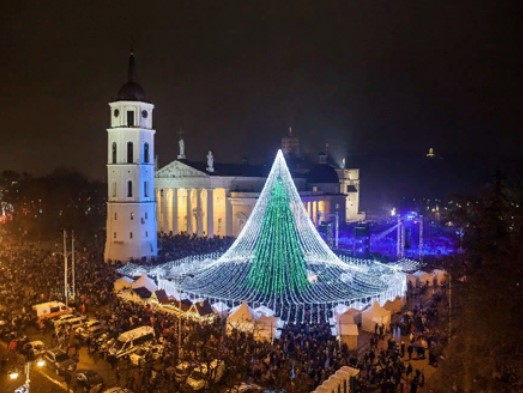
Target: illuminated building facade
x=220 y=197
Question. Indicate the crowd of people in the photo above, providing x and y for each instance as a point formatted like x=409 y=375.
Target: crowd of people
x=303 y=357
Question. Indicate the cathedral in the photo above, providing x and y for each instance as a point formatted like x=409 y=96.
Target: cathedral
x=199 y=197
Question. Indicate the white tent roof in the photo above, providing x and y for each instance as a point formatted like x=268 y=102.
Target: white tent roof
x=264 y=311
x=395 y=305
x=376 y=309
x=122 y=282
x=348 y=330
x=242 y=313
x=373 y=315
x=339 y=309
x=220 y=307
x=347 y=317
x=267 y=327
x=146 y=282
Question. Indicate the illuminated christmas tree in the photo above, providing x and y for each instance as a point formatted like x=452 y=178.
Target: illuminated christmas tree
x=278 y=264
x=280 y=261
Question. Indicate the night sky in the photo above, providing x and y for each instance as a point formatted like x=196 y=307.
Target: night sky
x=370 y=78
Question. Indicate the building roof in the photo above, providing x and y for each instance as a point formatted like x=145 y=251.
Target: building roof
x=225 y=169
x=143 y=292
x=203 y=308
x=131 y=90
x=162 y=297
x=323 y=173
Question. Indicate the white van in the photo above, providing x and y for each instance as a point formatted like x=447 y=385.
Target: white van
x=70 y=323
x=51 y=309
x=129 y=341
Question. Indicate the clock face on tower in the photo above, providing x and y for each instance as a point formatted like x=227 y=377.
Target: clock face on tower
x=116 y=112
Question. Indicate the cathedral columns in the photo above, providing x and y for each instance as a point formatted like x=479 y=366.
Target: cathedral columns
x=228 y=215
x=175 y=210
x=168 y=212
x=189 y=212
x=199 y=221
x=210 y=213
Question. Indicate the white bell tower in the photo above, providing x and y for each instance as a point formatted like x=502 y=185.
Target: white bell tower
x=131 y=202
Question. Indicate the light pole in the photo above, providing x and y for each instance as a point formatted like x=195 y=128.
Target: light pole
x=66 y=267
x=336 y=228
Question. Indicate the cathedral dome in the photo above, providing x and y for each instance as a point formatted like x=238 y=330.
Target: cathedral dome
x=323 y=173
x=131 y=91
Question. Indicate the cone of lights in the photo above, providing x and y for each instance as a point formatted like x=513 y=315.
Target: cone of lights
x=280 y=261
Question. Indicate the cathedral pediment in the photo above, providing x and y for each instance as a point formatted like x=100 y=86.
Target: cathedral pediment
x=178 y=169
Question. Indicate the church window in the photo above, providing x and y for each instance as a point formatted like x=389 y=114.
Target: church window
x=146 y=234
x=132 y=216
x=114 y=189
x=130 y=235
x=114 y=152
x=146 y=152
x=145 y=189
x=116 y=216
x=144 y=114
x=146 y=215
x=130 y=156
x=129 y=189
x=114 y=235
x=116 y=113
x=130 y=118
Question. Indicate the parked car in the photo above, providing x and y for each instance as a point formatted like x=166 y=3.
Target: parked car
x=104 y=343
x=139 y=357
x=62 y=318
x=88 y=381
x=182 y=371
x=130 y=341
x=91 y=329
x=156 y=351
x=206 y=374
x=70 y=323
x=36 y=347
x=59 y=361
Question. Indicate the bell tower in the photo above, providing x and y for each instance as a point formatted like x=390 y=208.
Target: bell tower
x=131 y=203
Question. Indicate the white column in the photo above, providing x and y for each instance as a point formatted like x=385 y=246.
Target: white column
x=228 y=215
x=210 y=213
x=159 y=208
x=165 y=206
x=168 y=213
x=175 y=211
x=189 y=212
x=199 y=221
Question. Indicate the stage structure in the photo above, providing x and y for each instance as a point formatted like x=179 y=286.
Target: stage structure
x=280 y=261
